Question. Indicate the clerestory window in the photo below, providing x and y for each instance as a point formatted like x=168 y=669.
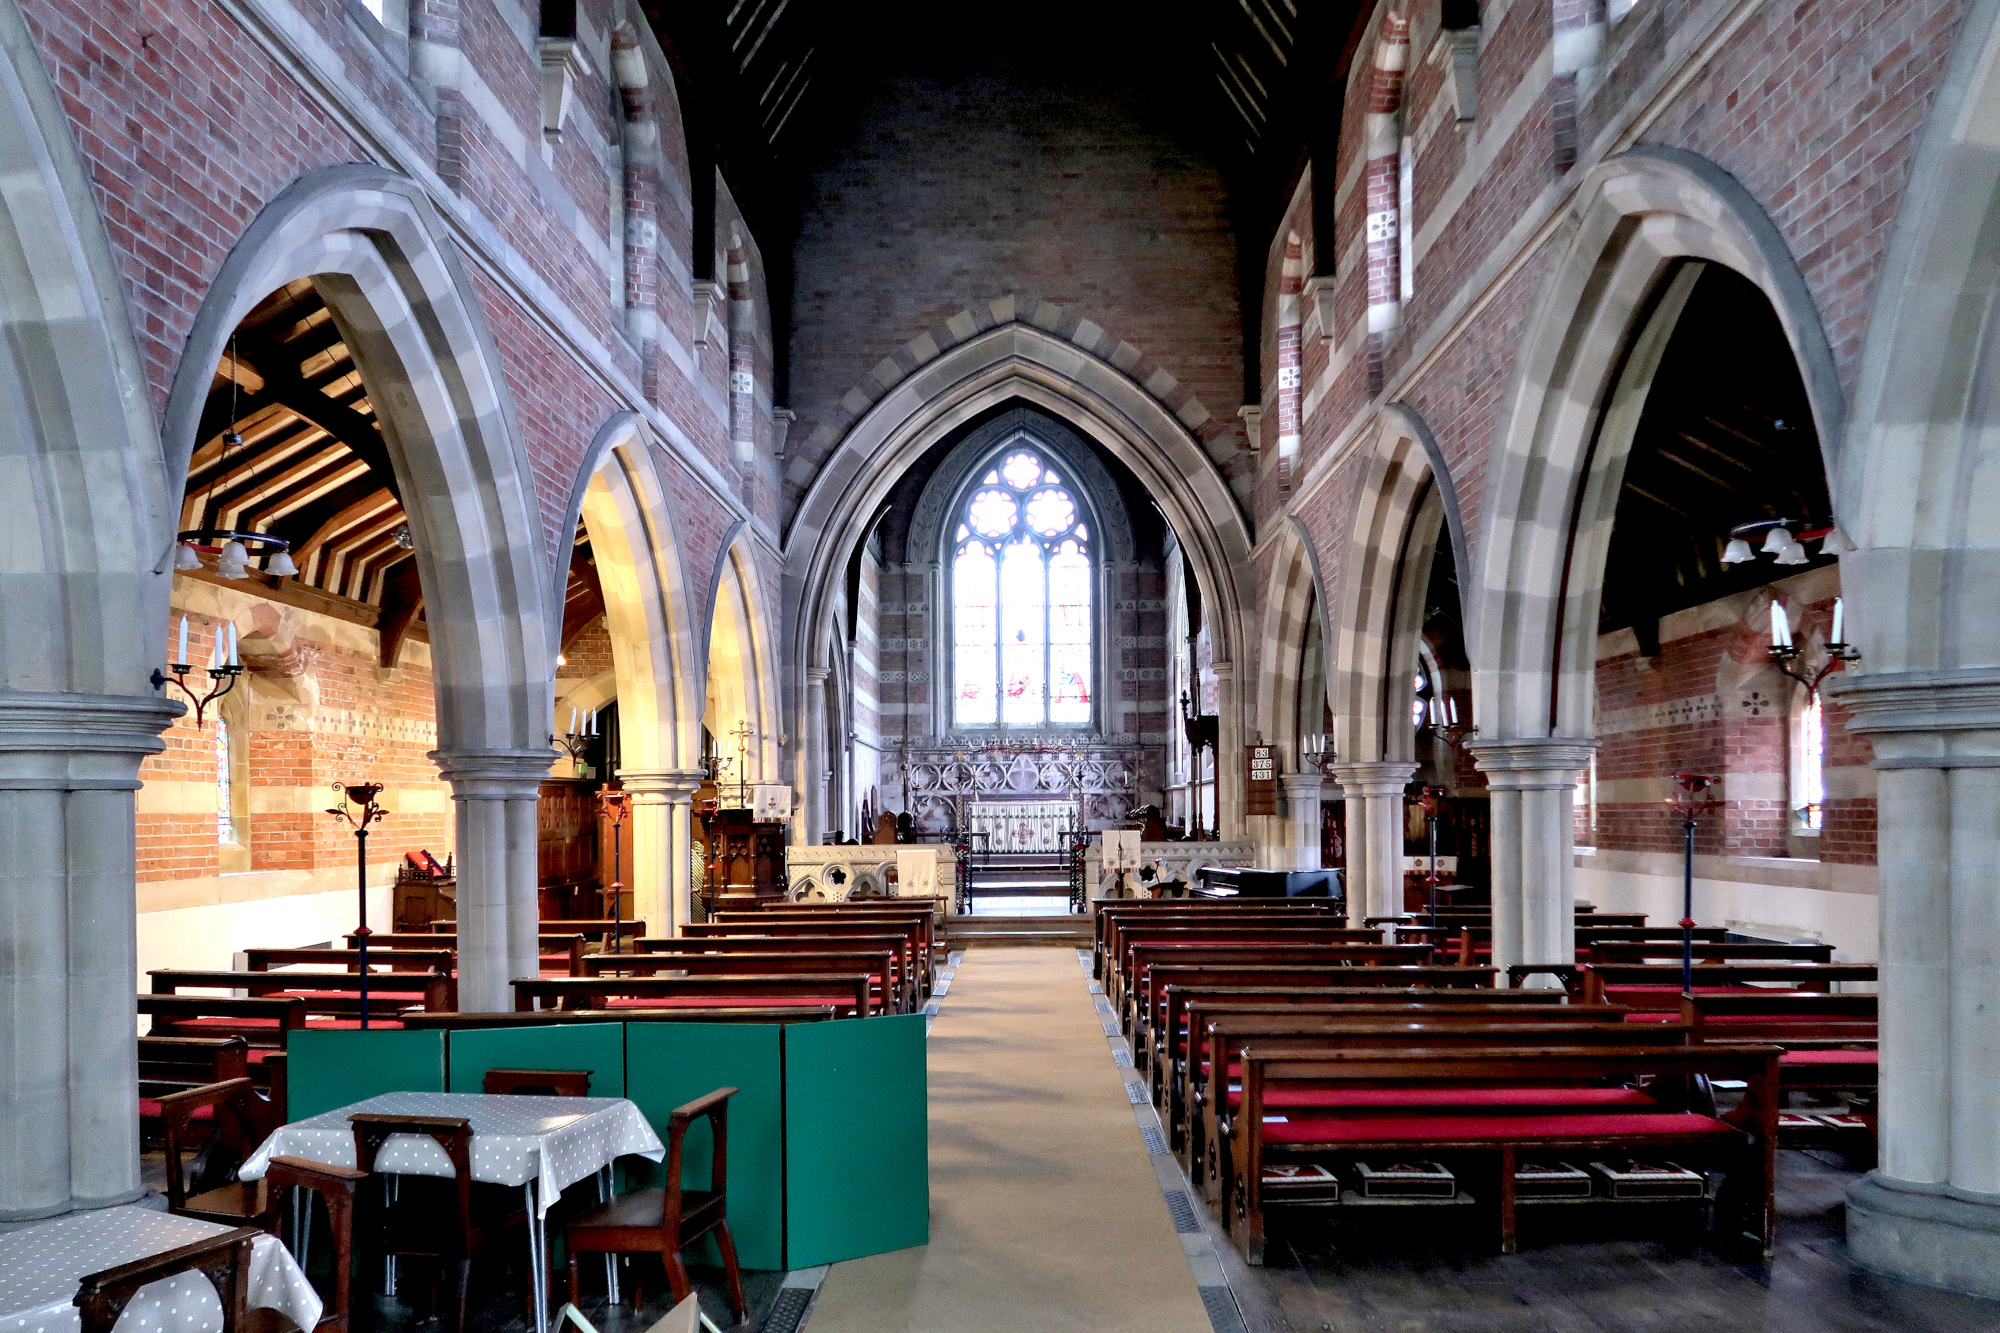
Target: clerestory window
x=1021 y=600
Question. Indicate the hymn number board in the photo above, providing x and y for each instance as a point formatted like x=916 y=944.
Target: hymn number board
x=1262 y=795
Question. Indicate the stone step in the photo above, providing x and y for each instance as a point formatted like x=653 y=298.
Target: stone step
x=1011 y=931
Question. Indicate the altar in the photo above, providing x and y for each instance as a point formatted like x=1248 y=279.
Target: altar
x=1022 y=826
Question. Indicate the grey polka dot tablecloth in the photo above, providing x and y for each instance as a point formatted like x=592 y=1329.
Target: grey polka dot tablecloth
x=41 y=1266
x=554 y=1141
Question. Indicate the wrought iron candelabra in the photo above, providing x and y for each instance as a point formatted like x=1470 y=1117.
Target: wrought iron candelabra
x=223 y=669
x=362 y=795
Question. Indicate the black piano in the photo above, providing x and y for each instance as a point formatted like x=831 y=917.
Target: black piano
x=1247 y=882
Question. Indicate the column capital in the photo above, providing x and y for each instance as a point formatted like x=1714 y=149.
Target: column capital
x=673 y=786
x=494 y=775
x=1303 y=784
x=1375 y=777
x=1925 y=719
x=1533 y=763
x=53 y=741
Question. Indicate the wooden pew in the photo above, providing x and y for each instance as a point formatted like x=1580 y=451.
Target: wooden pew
x=1741 y=1140
x=1211 y=1110
x=175 y=1064
x=1178 y=1074
x=1113 y=920
x=1105 y=911
x=1134 y=1017
x=1707 y=951
x=379 y=960
x=900 y=918
x=1273 y=935
x=263 y=1021
x=891 y=995
x=1138 y=996
x=907 y=978
x=588 y=927
x=556 y=950
x=1657 y=987
x=910 y=958
x=850 y=993
x=1830 y=1044
x=331 y=995
x=1175 y=989
x=747 y=1013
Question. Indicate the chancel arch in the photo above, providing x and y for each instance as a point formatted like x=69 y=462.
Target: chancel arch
x=1009 y=365
x=366 y=240
x=1292 y=701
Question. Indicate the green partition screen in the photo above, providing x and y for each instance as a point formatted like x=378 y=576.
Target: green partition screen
x=596 y=1048
x=669 y=1064
x=857 y=1145
x=331 y=1069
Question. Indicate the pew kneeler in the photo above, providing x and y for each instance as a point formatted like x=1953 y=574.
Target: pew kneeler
x=666 y=1220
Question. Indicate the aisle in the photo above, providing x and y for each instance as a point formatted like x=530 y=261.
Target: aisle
x=1045 y=1211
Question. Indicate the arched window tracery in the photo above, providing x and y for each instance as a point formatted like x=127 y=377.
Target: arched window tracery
x=1021 y=592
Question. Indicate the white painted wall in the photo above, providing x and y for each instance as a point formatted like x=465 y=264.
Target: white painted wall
x=209 y=936
x=1845 y=920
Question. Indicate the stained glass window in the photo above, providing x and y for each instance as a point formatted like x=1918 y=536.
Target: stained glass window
x=1021 y=598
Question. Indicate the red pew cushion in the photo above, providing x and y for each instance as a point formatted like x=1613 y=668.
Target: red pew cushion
x=1828 y=1058
x=728 y=1001
x=1511 y=1128
x=150 y=1108
x=1373 y=1099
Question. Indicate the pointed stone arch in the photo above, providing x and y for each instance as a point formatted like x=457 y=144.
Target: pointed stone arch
x=1592 y=344
x=1586 y=363
x=622 y=498
x=369 y=241
x=1025 y=363
x=86 y=618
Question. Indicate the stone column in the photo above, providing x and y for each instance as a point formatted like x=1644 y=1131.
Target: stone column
x=1532 y=782
x=650 y=875
x=1374 y=792
x=1229 y=775
x=1302 y=792
x=680 y=840
x=499 y=910
x=69 y=1056
x=814 y=752
x=1931 y=1210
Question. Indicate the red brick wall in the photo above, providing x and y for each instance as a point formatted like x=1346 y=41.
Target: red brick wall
x=957 y=192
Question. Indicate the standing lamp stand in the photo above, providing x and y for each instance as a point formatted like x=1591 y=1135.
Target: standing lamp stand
x=616 y=805
x=1692 y=799
x=1430 y=800
x=361 y=794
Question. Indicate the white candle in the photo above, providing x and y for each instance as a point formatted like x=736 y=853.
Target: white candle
x=215 y=650
x=590 y=723
x=1451 y=709
x=1781 y=629
x=1839 y=614
x=182 y=655
x=572 y=722
x=232 y=644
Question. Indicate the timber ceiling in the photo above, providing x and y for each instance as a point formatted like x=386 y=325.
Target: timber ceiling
x=1726 y=437
x=311 y=466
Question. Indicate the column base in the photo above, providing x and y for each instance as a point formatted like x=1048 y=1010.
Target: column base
x=1921 y=1234
x=9 y=1216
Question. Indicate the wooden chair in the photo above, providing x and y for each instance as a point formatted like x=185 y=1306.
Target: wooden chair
x=665 y=1221
x=446 y=1220
x=537 y=1082
x=234 y=1105
x=225 y=1260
